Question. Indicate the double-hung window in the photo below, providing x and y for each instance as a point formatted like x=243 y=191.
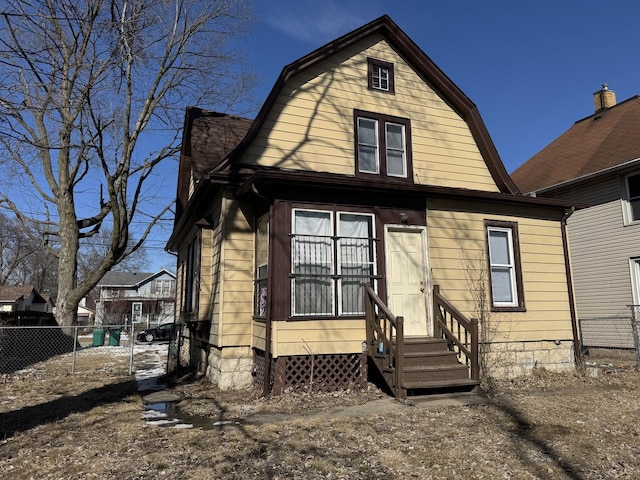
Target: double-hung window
x=504 y=266
x=333 y=254
x=382 y=146
x=632 y=184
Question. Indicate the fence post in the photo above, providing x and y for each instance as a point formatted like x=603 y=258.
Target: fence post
x=131 y=342
x=75 y=349
x=634 y=330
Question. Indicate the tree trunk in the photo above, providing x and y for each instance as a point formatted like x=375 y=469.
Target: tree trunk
x=68 y=295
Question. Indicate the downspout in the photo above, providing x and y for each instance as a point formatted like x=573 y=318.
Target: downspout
x=572 y=306
x=267 y=336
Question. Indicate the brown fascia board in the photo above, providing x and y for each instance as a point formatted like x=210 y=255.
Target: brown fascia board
x=423 y=65
x=203 y=192
x=334 y=181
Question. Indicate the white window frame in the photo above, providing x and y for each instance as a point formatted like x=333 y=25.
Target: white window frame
x=511 y=266
x=380 y=77
x=376 y=146
x=403 y=150
x=628 y=209
x=293 y=265
x=634 y=267
x=339 y=261
x=336 y=267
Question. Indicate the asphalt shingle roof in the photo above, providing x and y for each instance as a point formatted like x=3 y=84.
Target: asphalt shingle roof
x=11 y=293
x=599 y=142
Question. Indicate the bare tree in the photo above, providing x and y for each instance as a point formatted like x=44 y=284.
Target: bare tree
x=22 y=259
x=86 y=88
x=96 y=247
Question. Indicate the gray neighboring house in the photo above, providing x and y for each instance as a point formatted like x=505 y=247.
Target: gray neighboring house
x=146 y=299
x=597 y=162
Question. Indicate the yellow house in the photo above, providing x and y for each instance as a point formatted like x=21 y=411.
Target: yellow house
x=364 y=222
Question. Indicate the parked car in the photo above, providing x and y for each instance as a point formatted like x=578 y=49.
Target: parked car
x=161 y=332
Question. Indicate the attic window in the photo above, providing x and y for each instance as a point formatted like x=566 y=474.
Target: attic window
x=380 y=76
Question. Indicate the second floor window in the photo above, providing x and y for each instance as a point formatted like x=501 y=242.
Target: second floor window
x=382 y=145
x=633 y=197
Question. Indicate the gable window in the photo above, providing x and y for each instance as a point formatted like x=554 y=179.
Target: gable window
x=332 y=255
x=382 y=145
x=633 y=197
x=380 y=76
x=504 y=266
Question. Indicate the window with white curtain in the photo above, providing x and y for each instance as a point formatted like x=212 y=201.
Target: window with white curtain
x=333 y=254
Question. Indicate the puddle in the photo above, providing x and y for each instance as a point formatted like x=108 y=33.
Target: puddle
x=168 y=414
x=161 y=406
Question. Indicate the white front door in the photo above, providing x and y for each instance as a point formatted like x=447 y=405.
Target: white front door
x=406 y=278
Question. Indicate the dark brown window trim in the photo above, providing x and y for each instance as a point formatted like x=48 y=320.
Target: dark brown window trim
x=382 y=146
x=373 y=62
x=284 y=268
x=518 y=265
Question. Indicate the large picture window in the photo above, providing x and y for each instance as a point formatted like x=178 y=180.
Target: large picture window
x=333 y=254
x=382 y=146
x=504 y=266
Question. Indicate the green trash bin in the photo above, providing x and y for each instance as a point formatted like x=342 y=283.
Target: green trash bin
x=98 y=337
x=114 y=337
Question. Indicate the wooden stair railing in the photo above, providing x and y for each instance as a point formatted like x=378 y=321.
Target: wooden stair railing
x=385 y=341
x=460 y=333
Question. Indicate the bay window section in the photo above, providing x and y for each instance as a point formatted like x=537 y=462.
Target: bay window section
x=332 y=256
x=262 y=267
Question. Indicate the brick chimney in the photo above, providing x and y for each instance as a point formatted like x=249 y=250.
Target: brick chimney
x=604 y=98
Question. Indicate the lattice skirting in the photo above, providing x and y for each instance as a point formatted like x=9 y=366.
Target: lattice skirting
x=322 y=373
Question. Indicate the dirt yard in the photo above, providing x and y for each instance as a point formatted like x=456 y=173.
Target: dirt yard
x=54 y=425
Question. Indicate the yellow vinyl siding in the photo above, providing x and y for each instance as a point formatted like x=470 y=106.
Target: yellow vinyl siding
x=311 y=125
x=317 y=337
x=259 y=335
x=457 y=246
x=237 y=294
x=210 y=281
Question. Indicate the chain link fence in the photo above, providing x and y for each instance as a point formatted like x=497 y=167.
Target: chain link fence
x=107 y=350
x=618 y=332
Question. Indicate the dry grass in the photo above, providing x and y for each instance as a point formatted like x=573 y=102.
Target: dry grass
x=59 y=426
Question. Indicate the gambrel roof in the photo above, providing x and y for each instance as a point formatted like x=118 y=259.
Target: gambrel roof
x=596 y=144
x=423 y=66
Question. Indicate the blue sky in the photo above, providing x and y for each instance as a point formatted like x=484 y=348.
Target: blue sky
x=531 y=67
